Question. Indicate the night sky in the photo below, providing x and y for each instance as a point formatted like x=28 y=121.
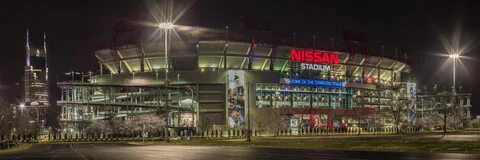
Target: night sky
x=75 y=28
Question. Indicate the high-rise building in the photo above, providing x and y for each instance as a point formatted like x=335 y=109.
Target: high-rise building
x=35 y=100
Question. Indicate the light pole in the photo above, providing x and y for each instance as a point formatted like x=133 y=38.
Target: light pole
x=454 y=57
x=166 y=26
x=249 y=130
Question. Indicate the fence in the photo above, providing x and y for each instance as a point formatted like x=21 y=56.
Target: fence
x=26 y=138
x=204 y=134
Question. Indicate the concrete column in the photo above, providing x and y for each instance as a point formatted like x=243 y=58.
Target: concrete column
x=67 y=94
x=62 y=92
x=68 y=113
x=63 y=112
x=101 y=68
x=363 y=74
x=74 y=94
x=468 y=113
x=92 y=112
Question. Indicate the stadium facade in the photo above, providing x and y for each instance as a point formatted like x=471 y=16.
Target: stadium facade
x=220 y=83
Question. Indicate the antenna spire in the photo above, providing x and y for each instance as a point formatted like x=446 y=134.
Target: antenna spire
x=27 y=47
x=46 y=55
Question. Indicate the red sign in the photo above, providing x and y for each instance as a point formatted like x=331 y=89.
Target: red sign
x=369 y=79
x=309 y=56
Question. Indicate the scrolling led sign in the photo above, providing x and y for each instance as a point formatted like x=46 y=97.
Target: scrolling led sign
x=314 y=82
x=314 y=60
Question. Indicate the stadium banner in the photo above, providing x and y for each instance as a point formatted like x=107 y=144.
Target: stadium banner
x=412 y=105
x=294 y=126
x=236 y=98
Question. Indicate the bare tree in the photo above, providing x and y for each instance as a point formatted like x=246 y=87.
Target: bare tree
x=98 y=127
x=431 y=120
x=138 y=123
x=269 y=120
x=6 y=118
x=397 y=108
x=148 y=123
x=475 y=123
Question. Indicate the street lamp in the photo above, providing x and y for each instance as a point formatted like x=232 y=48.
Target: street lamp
x=21 y=108
x=454 y=57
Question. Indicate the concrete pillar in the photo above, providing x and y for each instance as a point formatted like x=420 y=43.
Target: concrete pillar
x=101 y=68
x=460 y=103
x=468 y=101
x=62 y=92
x=74 y=94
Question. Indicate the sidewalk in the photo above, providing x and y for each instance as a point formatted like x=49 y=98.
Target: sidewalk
x=448 y=137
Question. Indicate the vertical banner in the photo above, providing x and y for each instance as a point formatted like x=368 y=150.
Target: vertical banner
x=236 y=96
x=412 y=107
x=294 y=126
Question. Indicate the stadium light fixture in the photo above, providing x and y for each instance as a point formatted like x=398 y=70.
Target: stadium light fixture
x=166 y=25
x=454 y=56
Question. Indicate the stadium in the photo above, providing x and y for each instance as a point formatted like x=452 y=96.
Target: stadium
x=223 y=82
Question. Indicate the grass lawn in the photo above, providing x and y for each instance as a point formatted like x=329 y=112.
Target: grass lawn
x=397 y=145
x=21 y=147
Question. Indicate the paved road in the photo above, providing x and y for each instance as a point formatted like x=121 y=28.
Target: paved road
x=125 y=151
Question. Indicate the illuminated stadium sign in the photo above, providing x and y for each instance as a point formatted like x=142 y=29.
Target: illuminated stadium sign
x=312 y=82
x=314 y=60
x=313 y=56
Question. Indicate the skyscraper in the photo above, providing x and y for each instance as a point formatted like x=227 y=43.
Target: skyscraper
x=35 y=100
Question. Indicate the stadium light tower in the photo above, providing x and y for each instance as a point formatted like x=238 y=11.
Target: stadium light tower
x=166 y=26
x=454 y=57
